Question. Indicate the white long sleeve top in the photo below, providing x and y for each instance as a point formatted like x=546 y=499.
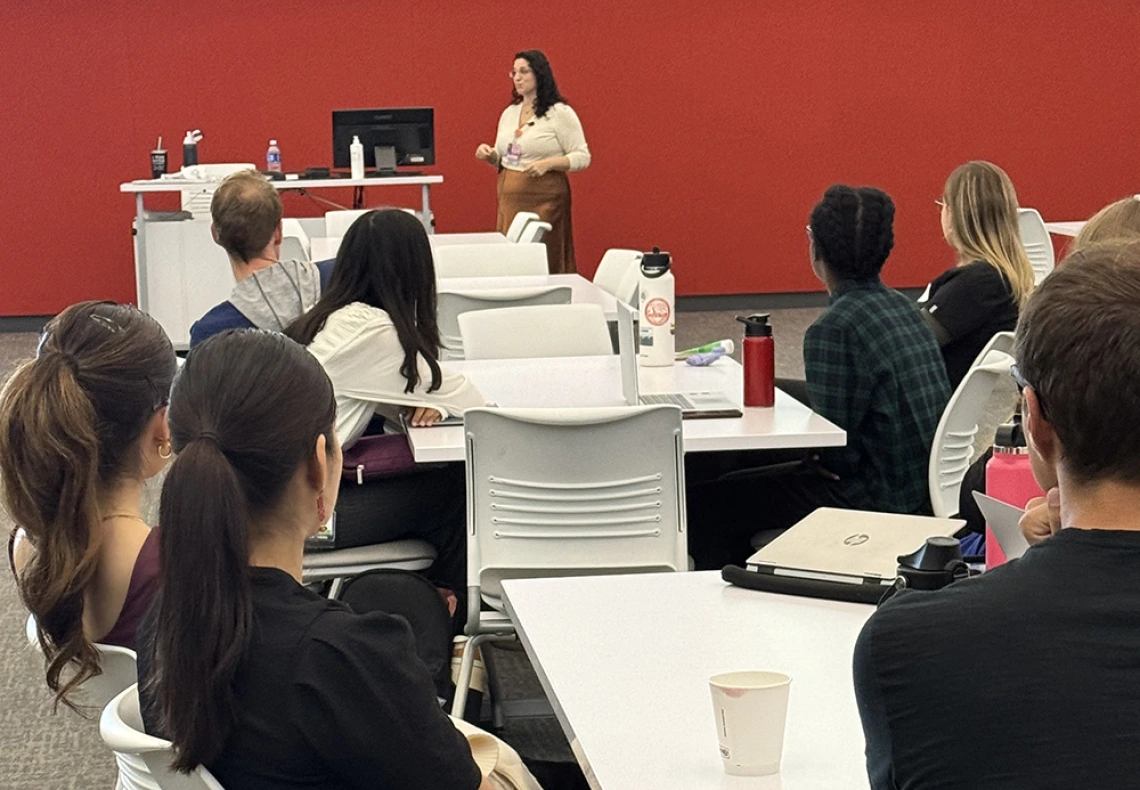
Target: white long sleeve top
x=361 y=353
x=558 y=133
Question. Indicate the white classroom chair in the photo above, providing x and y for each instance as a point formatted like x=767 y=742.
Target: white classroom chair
x=452 y=304
x=291 y=228
x=118 y=665
x=534 y=232
x=325 y=248
x=337 y=223
x=144 y=761
x=336 y=565
x=490 y=260
x=1037 y=243
x=292 y=250
x=558 y=492
x=1001 y=341
x=953 y=445
x=627 y=288
x=614 y=266
x=565 y=330
x=520 y=221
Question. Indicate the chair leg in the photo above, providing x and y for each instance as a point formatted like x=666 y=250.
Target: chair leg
x=494 y=689
x=335 y=587
x=463 y=683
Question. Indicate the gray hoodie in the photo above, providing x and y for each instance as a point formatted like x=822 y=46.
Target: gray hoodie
x=275 y=297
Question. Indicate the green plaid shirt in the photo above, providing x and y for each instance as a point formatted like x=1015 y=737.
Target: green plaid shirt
x=874 y=369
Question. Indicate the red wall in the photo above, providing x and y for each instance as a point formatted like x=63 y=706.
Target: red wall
x=714 y=126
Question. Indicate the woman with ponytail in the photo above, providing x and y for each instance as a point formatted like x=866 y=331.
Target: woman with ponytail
x=82 y=426
x=246 y=671
x=992 y=278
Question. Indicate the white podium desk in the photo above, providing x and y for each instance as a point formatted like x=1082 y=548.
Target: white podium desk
x=596 y=381
x=625 y=662
x=582 y=291
x=180 y=273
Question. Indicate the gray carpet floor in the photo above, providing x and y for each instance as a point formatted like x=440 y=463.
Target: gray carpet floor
x=42 y=750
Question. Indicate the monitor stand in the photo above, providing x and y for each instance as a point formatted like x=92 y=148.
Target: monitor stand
x=385 y=160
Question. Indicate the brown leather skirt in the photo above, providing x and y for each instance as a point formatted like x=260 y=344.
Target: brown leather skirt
x=549 y=197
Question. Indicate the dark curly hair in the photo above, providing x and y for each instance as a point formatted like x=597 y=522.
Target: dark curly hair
x=546 y=95
x=853 y=230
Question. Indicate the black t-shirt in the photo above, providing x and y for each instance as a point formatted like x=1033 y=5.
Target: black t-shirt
x=331 y=699
x=1026 y=677
x=972 y=303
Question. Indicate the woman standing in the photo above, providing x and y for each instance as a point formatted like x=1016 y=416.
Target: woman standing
x=539 y=141
x=983 y=293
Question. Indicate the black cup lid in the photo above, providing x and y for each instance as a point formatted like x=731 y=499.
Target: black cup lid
x=655 y=264
x=755 y=325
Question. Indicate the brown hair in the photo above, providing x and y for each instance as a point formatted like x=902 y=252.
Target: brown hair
x=984 y=224
x=245 y=413
x=1078 y=346
x=70 y=420
x=247 y=211
x=1119 y=221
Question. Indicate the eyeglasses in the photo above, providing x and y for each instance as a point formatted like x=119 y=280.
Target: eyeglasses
x=940 y=203
x=1019 y=380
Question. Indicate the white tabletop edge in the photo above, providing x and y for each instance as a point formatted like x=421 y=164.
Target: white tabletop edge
x=175 y=185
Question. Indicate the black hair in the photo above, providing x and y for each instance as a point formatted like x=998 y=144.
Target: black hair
x=245 y=414
x=853 y=230
x=385 y=261
x=546 y=89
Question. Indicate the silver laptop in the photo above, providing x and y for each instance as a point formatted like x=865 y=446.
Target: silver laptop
x=1004 y=520
x=693 y=404
x=849 y=546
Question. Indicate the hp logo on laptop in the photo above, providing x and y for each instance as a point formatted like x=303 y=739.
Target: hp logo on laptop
x=858 y=539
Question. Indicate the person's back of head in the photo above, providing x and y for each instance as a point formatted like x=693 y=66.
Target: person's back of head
x=852 y=231
x=385 y=261
x=1116 y=222
x=71 y=424
x=1078 y=349
x=246 y=212
x=249 y=412
x=982 y=223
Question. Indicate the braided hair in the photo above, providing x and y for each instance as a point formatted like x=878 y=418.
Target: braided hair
x=853 y=231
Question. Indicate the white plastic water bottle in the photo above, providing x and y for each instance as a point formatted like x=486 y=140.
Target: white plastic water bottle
x=657 y=324
x=356 y=156
x=273 y=158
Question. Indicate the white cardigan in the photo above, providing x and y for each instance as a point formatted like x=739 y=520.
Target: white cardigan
x=558 y=133
x=361 y=353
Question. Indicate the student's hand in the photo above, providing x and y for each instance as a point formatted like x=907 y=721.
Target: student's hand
x=820 y=469
x=485 y=153
x=1042 y=517
x=539 y=168
x=423 y=416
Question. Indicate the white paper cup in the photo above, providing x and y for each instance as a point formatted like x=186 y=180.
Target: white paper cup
x=751 y=710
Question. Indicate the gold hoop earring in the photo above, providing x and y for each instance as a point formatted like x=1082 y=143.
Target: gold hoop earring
x=169 y=451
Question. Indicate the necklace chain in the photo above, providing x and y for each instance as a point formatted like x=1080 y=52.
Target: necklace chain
x=134 y=516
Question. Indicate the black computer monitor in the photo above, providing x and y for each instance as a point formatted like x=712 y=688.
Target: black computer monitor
x=408 y=130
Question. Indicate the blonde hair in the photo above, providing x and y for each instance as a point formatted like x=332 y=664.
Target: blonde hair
x=1119 y=221
x=984 y=224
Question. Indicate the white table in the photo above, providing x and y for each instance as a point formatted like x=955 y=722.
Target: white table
x=625 y=662
x=1065 y=228
x=446 y=239
x=596 y=381
x=582 y=290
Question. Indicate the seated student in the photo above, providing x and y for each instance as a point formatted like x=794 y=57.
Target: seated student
x=245 y=670
x=1028 y=676
x=970 y=303
x=872 y=367
x=81 y=427
x=374 y=332
x=270 y=293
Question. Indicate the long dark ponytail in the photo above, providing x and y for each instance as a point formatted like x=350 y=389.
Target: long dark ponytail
x=385 y=261
x=70 y=420
x=245 y=413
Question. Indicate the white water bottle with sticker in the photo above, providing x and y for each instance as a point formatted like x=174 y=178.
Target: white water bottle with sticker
x=657 y=325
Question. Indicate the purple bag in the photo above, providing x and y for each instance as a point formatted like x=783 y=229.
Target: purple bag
x=377 y=457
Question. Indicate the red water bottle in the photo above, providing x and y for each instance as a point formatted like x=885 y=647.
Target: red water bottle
x=759 y=361
x=1009 y=478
